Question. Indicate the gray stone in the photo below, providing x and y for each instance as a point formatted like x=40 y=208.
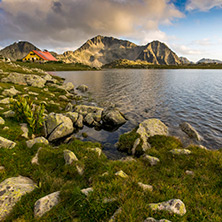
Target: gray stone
x=67 y=87
x=6 y=128
x=57 y=126
x=35 y=80
x=46 y=203
x=189 y=172
x=151 y=160
x=31 y=143
x=117 y=212
x=87 y=191
x=79 y=122
x=11 y=191
x=190 y=131
x=96 y=150
x=15 y=78
x=69 y=107
x=121 y=174
x=62 y=97
x=5 y=101
x=73 y=116
x=2 y=121
x=82 y=88
x=145 y=187
x=174 y=206
x=25 y=130
x=80 y=169
x=10 y=92
x=113 y=117
x=35 y=159
x=2 y=168
x=33 y=93
x=69 y=156
x=180 y=151
x=89 y=120
x=9 y=114
x=5 y=143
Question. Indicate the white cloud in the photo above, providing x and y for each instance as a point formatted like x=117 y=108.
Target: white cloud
x=202 y=42
x=64 y=23
x=185 y=50
x=203 y=5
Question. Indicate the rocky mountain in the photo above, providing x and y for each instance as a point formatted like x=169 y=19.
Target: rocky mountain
x=101 y=50
x=185 y=61
x=209 y=61
x=17 y=50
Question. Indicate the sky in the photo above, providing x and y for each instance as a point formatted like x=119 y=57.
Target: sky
x=191 y=28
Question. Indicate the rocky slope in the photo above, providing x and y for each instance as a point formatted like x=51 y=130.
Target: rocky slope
x=209 y=61
x=101 y=50
x=17 y=50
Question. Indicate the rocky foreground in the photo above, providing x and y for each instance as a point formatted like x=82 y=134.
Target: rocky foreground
x=50 y=175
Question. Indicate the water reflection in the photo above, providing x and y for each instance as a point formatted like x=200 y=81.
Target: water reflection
x=170 y=95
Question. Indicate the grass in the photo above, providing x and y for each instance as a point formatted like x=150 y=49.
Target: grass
x=56 y=66
x=201 y=192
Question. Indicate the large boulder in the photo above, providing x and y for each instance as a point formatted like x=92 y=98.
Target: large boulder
x=57 y=126
x=5 y=143
x=15 y=78
x=82 y=88
x=46 y=203
x=112 y=117
x=11 y=191
x=68 y=87
x=10 y=92
x=35 y=80
x=31 y=143
x=190 y=131
x=174 y=206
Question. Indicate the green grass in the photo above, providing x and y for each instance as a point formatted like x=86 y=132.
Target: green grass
x=56 y=66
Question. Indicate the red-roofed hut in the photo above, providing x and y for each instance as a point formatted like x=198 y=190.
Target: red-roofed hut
x=39 y=56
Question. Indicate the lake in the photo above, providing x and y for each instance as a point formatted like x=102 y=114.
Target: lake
x=173 y=96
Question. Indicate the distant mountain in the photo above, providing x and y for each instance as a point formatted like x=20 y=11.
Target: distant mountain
x=185 y=61
x=17 y=50
x=101 y=50
x=205 y=61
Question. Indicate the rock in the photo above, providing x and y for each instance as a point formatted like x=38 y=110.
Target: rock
x=35 y=80
x=89 y=120
x=5 y=101
x=68 y=87
x=25 y=130
x=82 y=88
x=31 y=143
x=73 y=116
x=69 y=107
x=97 y=150
x=2 y=168
x=87 y=191
x=80 y=170
x=189 y=172
x=9 y=114
x=174 y=206
x=113 y=218
x=180 y=151
x=33 y=93
x=11 y=191
x=2 y=121
x=145 y=187
x=69 y=157
x=121 y=174
x=35 y=159
x=84 y=110
x=46 y=203
x=46 y=89
x=6 y=128
x=127 y=159
x=79 y=122
x=148 y=128
x=57 y=126
x=5 y=143
x=150 y=219
x=62 y=97
x=15 y=78
x=109 y=200
x=10 y=92
x=190 y=131
x=202 y=147
x=152 y=160
x=112 y=117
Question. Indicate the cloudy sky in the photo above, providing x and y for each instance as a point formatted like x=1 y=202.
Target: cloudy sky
x=192 y=28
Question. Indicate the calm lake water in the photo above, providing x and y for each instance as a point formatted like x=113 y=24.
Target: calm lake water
x=173 y=96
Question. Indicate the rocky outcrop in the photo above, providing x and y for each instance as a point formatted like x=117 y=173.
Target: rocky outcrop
x=31 y=143
x=46 y=203
x=11 y=191
x=5 y=143
x=174 y=206
x=25 y=79
x=57 y=126
x=69 y=157
x=190 y=131
x=112 y=117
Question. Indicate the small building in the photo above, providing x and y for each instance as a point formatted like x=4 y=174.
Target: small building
x=39 y=56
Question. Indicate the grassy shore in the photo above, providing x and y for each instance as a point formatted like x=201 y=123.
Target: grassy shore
x=200 y=192
x=56 y=66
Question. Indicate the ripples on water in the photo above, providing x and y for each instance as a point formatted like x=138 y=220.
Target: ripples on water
x=173 y=96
